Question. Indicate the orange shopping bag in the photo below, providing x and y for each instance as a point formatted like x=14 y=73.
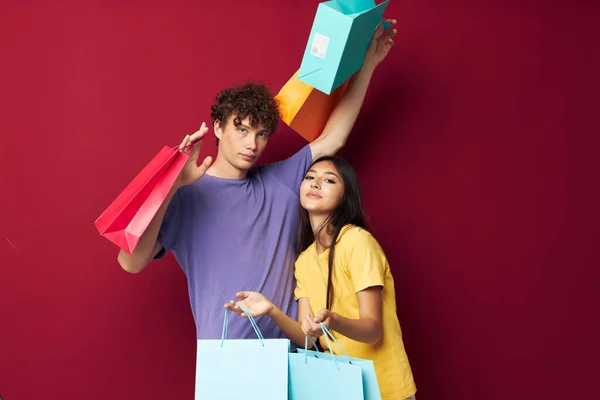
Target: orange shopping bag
x=128 y=216
x=306 y=109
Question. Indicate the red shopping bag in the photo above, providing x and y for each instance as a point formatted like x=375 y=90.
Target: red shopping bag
x=128 y=216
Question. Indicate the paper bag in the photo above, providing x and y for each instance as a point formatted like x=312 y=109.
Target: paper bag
x=248 y=369
x=340 y=36
x=128 y=216
x=305 y=109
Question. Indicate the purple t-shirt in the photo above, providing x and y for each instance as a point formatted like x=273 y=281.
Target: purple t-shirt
x=231 y=235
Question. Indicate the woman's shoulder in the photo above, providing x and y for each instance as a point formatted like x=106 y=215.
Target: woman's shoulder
x=358 y=241
x=306 y=253
x=353 y=235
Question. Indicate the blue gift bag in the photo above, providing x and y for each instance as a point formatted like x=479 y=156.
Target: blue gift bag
x=249 y=369
x=316 y=376
x=369 y=378
x=340 y=36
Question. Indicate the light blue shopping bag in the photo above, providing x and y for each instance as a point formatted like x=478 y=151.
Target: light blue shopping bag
x=320 y=376
x=249 y=369
x=369 y=378
x=340 y=36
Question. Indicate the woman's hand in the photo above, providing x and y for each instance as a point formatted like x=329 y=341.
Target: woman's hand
x=310 y=325
x=255 y=303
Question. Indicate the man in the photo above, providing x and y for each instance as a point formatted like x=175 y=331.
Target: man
x=233 y=226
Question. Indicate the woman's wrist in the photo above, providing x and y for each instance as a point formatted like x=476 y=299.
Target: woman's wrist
x=271 y=309
x=334 y=321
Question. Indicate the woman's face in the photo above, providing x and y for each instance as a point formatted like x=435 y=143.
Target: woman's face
x=322 y=189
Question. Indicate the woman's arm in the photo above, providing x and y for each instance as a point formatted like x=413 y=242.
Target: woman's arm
x=257 y=304
x=293 y=329
x=368 y=328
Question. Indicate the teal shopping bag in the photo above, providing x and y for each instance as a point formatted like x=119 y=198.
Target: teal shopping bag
x=340 y=36
x=320 y=376
x=249 y=369
x=369 y=378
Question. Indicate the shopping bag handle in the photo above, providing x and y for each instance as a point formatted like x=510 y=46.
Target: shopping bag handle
x=305 y=348
x=252 y=322
x=327 y=333
x=305 y=344
x=386 y=25
x=185 y=147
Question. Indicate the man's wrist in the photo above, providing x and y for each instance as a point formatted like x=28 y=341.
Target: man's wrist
x=174 y=188
x=368 y=67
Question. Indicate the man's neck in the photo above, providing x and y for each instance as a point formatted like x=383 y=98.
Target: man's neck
x=222 y=169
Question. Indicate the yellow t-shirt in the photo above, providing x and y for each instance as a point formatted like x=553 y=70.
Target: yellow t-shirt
x=359 y=263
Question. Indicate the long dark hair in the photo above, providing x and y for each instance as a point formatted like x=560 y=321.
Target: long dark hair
x=349 y=211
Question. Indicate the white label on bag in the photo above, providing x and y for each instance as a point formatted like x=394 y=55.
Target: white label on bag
x=319 y=45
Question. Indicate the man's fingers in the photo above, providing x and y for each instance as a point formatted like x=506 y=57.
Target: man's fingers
x=199 y=133
x=201 y=169
x=184 y=144
x=389 y=23
x=205 y=165
x=195 y=149
x=195 y=137
x=390 y=36
x=194 y=141
x=378 y=31
x=186 y=140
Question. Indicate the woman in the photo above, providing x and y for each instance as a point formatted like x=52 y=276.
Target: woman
x=349 y=283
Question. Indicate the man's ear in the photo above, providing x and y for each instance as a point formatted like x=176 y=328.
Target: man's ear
x=218 y=129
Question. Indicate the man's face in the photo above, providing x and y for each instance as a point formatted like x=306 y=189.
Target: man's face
x=241 y=145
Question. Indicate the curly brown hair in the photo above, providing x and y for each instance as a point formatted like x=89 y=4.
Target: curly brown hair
x=253 y=100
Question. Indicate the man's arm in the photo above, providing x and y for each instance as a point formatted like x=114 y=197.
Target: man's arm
x=148 y=246
x=344 y=115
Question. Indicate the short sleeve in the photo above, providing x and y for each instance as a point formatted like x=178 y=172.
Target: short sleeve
x=300 y=290
x=291 y=171
x=365 y=260
x=170 y=227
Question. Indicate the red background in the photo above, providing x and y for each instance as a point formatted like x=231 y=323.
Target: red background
x=475 y=150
